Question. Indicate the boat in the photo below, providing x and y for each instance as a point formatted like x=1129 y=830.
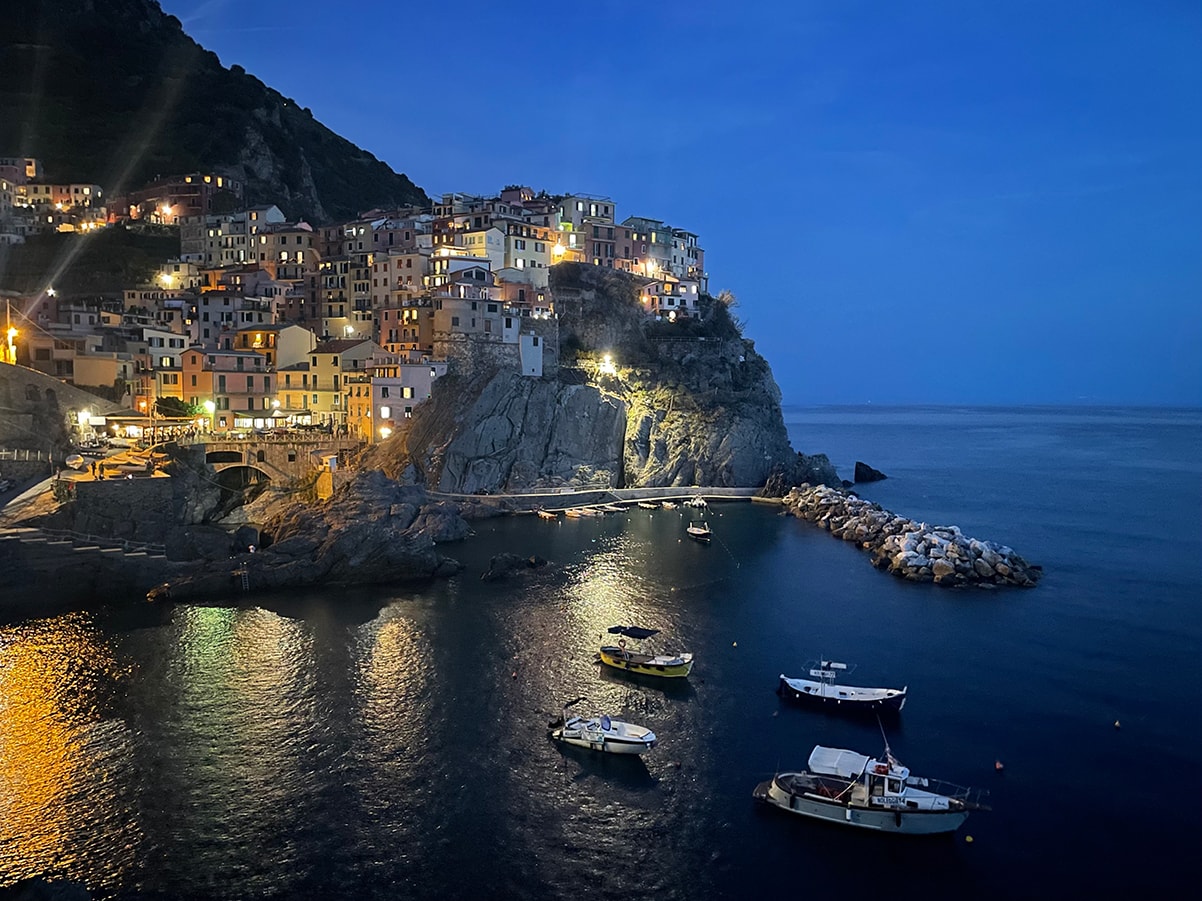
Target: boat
x=699 y=531
x=669 y=505
x=697 y=501
x=632 y=661
x=573 y=512
x=612 y=508
x=853 y=789
x=601 y=733
x=647 y=505
x=825 y=690
x=546 y=514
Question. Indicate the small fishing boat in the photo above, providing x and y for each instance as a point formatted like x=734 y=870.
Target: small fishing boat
x=573 y=512
x=668 y=505
x=853 y=789
x=697 y=501
x=546 y=514
x=601 y=733
x=825 y=690
x=647 y=505
x=612 y=508
x=635 y=661
x=699 y=531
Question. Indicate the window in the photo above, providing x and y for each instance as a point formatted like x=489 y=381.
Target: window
x=454 y=320
x=385 y=412
x=384 y=391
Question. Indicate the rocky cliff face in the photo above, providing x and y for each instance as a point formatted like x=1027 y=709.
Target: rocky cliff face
x=686 y=404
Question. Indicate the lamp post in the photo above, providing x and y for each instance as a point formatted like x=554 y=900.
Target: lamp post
x=211 y=409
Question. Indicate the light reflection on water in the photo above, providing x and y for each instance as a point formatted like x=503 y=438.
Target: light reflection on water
x=63 y=758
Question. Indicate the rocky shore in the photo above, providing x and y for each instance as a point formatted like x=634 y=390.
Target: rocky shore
x=911 y=550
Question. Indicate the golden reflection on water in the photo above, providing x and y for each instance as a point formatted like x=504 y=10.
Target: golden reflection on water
x=393 y=669
x=616 y=585
x=57 y=754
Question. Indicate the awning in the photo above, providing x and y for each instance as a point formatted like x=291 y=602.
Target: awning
x=632 y=631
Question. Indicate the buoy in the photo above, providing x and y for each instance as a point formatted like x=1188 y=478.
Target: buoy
x=515 y=675
x=1116 y=725
x=734 y=644
x=968 y=838
x=997 y=765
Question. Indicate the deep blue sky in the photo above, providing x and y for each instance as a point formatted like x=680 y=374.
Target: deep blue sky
x=919 y=202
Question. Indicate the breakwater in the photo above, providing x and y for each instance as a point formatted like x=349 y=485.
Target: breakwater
x=911 y=550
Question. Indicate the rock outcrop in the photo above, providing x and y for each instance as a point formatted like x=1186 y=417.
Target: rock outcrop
x=865 y=473
x=911 y=550
x=373 y=531
x=684 y=403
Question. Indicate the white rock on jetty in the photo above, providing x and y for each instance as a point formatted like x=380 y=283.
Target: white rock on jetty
x=908 y=549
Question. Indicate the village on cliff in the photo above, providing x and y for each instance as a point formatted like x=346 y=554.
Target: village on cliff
x=261 y=323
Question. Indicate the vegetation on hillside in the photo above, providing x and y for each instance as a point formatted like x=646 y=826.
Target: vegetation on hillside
x=102 y=262
x=113 y=92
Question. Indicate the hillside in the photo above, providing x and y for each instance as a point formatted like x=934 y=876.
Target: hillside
x=113 y=92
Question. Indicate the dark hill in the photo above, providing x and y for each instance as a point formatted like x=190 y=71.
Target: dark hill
x=113 y=92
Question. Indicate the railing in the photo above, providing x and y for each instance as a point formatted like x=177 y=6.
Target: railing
x=24 y=455
x=124 y=545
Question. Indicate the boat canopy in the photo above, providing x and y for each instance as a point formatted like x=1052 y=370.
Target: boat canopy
x=837 y=762
x=633 y=631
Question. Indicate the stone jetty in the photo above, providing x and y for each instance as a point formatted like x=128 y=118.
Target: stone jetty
x=911 y=550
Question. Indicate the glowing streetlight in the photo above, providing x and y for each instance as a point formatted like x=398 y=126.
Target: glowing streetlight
x=211 y=409
x=385 y=431
x=607 y=366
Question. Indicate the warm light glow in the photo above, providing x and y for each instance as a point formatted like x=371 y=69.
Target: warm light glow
x=210 y=407
x=166 y=210
x=385 y=412
x=83 y=416
x=385 y=431
x=276 y=403
x=50 y=292
x=166 y=278
x=559 y=250
x=607 y=366
x=350 y=329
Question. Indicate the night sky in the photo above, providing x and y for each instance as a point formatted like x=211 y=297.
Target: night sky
x=922 y=202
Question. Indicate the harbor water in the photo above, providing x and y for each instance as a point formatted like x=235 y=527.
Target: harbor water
x=392 y=743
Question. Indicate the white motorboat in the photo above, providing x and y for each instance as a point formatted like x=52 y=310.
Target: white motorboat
x=699 y=531
x=602 y=733
x=647 y=505
x=696 y=501
x=856 y=790
x=824 y=690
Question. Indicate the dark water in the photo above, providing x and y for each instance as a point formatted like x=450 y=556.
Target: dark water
x=392 y=744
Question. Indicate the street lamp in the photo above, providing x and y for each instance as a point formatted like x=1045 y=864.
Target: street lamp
x=211 y=409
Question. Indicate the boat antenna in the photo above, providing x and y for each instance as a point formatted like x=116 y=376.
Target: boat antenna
x=885 y=739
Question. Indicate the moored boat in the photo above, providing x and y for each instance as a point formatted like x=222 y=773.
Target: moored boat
x=696 y=501
x=546 y=514
x=824 y=690
x=602 y=733
x=699 y=531
x=636 y=661
x=669 y=505
x=647 y=505
x=853 y=789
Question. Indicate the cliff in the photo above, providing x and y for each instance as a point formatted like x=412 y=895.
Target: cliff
x=687 y=403
x=114 y=92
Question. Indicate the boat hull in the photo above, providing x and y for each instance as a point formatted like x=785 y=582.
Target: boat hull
x=904 y=822
x=816 y=698
x=627 y=663
x=605 y=746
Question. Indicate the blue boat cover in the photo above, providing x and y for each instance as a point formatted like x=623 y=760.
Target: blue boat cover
x=633 y=631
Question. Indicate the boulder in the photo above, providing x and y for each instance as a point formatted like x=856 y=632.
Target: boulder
x=865 y=473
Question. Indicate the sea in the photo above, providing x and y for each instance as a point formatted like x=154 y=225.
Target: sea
x=392 y=743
